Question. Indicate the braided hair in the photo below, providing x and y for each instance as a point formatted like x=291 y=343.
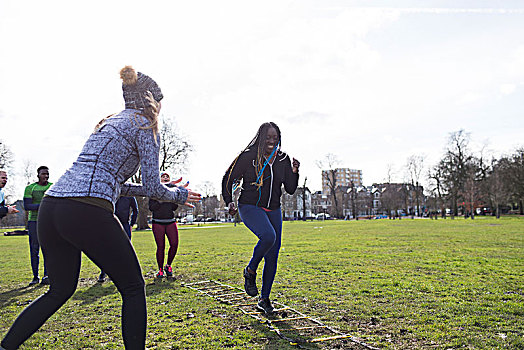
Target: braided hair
x=258 y=143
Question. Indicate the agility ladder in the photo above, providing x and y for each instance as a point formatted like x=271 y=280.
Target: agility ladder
x=288 y=323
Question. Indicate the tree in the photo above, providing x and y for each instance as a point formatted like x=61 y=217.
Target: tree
x=213 y=206
x=390 y=172
x=304 y=200
x=353 y=196
x=514 y=176
x=329 y=177
x=404 y=191
x=496 y=187
x=454 y=167
x=471 y=190
x=436 y=190
x=207 y=190
x=415 y=165
x=6 y=156
x=29 y=170
x=174 y=147
x=174 y=150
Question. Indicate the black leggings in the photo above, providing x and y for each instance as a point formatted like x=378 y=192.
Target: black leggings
x=66 y=228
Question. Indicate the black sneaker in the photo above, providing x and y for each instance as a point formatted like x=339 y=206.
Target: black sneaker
x=34 y=281
x=265 y=306
x=250 y=283
x=102 y=277
x=45 y=280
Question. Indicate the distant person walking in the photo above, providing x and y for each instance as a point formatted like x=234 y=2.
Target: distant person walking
x=263 y=168
x=33 y=195
x=126 y=210
x=5 y=209
x=164 y=224
x=76 y=215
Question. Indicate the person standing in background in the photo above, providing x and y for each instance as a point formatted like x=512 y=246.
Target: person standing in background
x=123 y=208
x=164 y=224
x=5 y=209
x=33 y=195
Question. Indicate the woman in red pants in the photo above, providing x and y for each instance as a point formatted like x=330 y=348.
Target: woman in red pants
x=164 y=224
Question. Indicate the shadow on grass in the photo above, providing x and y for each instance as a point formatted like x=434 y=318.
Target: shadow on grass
x=274 y=341
x=8 y=296
x=94 y=292
x=99 y=290
x=158 y=285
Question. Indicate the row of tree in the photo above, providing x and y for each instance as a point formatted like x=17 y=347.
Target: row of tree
x=461 y=182
x=465 y=180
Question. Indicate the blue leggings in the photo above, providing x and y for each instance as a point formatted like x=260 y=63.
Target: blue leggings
x=267 y=226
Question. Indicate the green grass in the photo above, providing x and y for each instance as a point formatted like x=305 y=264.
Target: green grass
x=408 y=284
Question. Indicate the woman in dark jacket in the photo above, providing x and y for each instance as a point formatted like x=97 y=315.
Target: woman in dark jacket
x=263 y=169
x=164 y=224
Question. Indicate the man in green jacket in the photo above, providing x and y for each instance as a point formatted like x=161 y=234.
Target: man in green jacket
x=32 y=197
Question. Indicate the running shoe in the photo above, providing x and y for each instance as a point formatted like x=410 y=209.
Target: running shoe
x=169 y=271
x=250 y=283
x=102 y=277
x=34 y=281
x=265 y=306
x=160 y=274
x=45 y=280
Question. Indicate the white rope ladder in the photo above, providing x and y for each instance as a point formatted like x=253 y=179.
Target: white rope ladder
x=288 y=323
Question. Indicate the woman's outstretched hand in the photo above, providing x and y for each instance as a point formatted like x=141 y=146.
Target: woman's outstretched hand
x=232 y=209
x=192 y=197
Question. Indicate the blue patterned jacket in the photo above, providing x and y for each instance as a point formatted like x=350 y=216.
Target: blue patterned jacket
x=113 y=154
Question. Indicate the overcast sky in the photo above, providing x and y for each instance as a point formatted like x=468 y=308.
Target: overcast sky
x=372 y=85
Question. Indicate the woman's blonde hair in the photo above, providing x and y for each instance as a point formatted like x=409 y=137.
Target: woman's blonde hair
x=151 y=114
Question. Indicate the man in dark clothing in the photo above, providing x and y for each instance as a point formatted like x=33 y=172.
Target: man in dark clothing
x=123 y=208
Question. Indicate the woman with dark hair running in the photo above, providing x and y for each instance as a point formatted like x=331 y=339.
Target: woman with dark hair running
x=76 y=215
x=263 y=169
x=164 y=224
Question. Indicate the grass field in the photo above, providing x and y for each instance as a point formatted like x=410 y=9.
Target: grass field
x=409 y=284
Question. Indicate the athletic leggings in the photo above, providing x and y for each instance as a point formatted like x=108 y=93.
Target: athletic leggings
x=66 y=228
x=267 y=226
x=127 y=229
x=160 y=232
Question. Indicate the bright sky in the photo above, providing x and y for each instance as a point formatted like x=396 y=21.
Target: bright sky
x=372 y=85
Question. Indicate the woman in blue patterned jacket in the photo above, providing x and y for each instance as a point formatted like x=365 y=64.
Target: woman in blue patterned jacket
x=76 y=215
